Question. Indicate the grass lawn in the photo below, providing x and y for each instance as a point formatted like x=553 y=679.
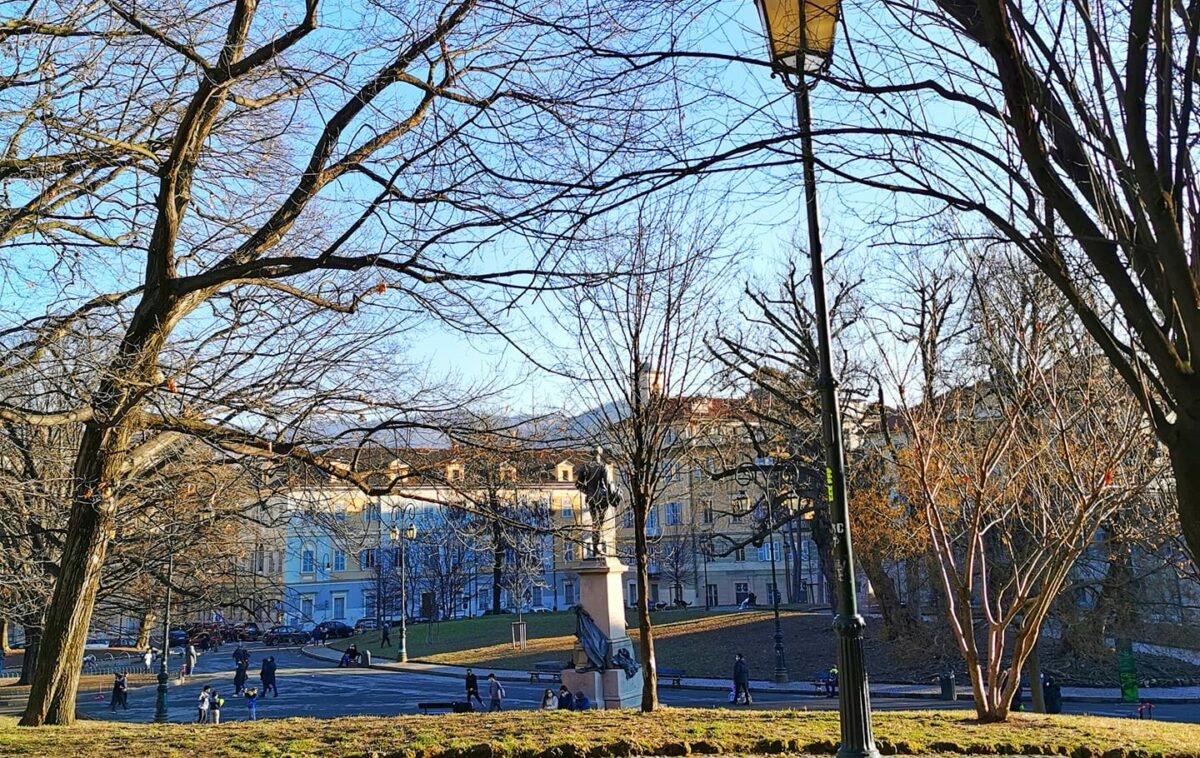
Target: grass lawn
x=531 y=734
x=700 y=642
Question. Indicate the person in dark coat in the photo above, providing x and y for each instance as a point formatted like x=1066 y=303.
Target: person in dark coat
x=267 y=674
x=741 y=679
x=566 y=701
x=473 y=688
x=385 y=639
x=239 y=678
x=120 y=693
x=582 y=703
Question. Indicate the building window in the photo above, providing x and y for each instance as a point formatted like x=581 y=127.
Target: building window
x=741 y=591
x=627 y=518
x=369 y=603
x=652 y=520
x=366 y=559
x=569 y=593
x=632 y=594
x=712 y=595
x=339 y=607
x=708 y=515
x=568 y=512
x=536 y=598
x=271 y=563
x=674 y=514
x=739 y=555
x=308 y=561
x=306 y=607
x=569 y=552
x=339 y=560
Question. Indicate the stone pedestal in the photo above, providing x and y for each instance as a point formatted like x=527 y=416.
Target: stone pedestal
x=601 y=596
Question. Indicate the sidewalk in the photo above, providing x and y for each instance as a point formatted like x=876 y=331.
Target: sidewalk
x=1158 y=695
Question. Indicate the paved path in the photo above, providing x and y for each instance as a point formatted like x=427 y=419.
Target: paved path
x=317 y=688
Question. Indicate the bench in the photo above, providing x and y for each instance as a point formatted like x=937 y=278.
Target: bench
x=553 y=676
x=453 y=707
x=675 y=675
x=825 y=684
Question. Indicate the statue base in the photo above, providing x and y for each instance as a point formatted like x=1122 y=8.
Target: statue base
x=600 y=594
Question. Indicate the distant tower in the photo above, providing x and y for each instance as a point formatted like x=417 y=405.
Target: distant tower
x=649 y=382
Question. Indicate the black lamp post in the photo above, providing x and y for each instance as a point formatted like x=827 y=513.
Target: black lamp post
x=409 y=533
x=160 y=701
x=800 y=36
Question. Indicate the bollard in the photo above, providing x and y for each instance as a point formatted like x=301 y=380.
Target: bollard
x=949 y=690
x=365 y=658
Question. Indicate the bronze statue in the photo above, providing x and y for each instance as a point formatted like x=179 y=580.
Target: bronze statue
x=592 y=480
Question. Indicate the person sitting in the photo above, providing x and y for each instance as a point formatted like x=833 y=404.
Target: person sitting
x=349 y=658
x=566 y=701
x=549 y=701
x=581 y=701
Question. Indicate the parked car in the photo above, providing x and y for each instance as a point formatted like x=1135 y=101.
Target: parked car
x=285 y=635
x=363 y=625
x=333 y=630
x=250 y=632
x=96 y=643
x=178 y=638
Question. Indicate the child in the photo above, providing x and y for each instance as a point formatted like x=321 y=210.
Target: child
x=214 y=708
x=252 y=703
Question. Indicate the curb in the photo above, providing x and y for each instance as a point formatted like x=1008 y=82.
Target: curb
x=508 y=675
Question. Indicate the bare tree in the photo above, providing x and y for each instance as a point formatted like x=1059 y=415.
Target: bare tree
x=641 y=359
x=251 y=184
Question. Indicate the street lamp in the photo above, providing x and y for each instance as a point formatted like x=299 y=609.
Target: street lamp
x=409 y=533
x=160 y=701
x=800 y=36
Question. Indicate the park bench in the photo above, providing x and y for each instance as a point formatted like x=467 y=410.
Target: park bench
x=454 y=707
x=675 y=675
x=552 y=670
x=825 y=684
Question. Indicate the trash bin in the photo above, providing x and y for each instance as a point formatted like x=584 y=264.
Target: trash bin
x=365 y=658
x=949 y=691
x=1052 y=694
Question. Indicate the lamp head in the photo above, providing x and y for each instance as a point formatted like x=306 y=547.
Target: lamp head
x=410 y=532
x=799 y=33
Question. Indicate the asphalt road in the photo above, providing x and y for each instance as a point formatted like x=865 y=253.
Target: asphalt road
x=321 y=690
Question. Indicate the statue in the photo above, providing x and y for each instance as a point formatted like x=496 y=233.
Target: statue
x=596 y=646
x=592 y=480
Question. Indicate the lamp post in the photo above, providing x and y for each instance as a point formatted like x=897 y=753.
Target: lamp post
x=800 y=36
x=409 y=533
x=781 y=673
x=160 y=700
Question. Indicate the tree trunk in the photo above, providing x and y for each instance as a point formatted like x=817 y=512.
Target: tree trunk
x=912 y=588
x=822 y=532
x=33 y=636
x=897 y=621
x=4 y=648
x=1184 y=460
x=497 y=564
x=145 y=626
x=645 y=633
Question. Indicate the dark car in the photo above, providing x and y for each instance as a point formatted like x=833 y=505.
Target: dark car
x=250 y=632
x=333 y=630
x=178 y=638
x=285 y=635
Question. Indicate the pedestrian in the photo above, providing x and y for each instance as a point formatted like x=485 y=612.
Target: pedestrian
x=385 y=639
x=191 y=658
x=120 y=691
x=251 y=703
x=473 y=688
x=239 y=678
x=566 y=701
x=741 y=679
x=322 y=635
x=581 y=702
x=215 y=701
x=549 y=701
x=267 y=674
x=202 y=704
x=148 y=659
x=495 y=694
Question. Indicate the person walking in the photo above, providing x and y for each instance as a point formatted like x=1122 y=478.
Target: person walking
x=473 y=688
x=239 y=678
x=251 y=704
x=495 y=694
x=267 y=674
x=120 y=693
x=741 y=680
x=148 y=659
x=322 y=635
x=202 y=704
x=385 y=638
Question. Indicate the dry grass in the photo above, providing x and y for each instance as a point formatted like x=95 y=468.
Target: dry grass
x=532 y=734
